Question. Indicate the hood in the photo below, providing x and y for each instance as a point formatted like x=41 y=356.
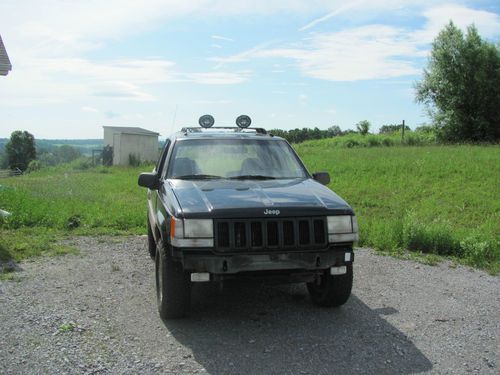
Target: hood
x=233 y=198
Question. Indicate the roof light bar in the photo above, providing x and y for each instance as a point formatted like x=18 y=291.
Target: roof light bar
x=243 y=121
x=206 y=121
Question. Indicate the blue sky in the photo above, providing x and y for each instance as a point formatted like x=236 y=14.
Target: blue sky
x=160 y=64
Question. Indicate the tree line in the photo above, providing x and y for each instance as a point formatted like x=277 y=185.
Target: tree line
x=362 y=127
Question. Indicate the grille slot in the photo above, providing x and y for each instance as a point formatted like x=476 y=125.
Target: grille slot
x=240 y=235
x=256 y=234
x=272 y=234
x=304 y=232
x=223 y=234
x=288 y=233
x=319 y=231
x=235 y=235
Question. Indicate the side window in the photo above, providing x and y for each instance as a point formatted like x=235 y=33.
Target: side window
x=161 y=160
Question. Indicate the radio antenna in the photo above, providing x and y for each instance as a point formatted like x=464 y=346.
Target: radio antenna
x=175 y=116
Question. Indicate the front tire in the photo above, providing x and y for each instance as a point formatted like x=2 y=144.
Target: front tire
x=333 y=290
x=173 y=288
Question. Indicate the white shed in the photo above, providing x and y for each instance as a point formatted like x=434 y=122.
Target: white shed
x=142 y=144
x=5 y=64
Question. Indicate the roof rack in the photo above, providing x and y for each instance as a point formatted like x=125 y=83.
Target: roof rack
x=236 y=130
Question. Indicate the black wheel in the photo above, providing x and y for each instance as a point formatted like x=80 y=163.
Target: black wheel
x=151 y=241
x=173 y=287
x=333 y=290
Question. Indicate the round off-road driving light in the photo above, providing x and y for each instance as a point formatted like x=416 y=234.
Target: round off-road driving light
x=206 y=121
x=243 y=121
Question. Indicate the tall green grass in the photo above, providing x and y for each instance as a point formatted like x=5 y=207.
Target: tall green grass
x=73 y=199
x=373 y=140
x=439 y=200
x=96 y=200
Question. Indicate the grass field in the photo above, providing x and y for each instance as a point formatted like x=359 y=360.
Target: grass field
x=435 y=200
x=53 y=203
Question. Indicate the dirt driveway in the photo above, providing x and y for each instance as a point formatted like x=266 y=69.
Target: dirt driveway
x=96 y=313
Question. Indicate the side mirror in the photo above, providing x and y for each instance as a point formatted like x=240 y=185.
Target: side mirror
x=322 y=177
x=149 y=180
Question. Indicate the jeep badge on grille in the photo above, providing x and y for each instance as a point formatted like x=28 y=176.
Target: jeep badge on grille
x=271 y=212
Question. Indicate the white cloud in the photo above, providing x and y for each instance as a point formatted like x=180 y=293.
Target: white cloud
x=242 y=56
x=90 y=109
x=343 y=8
x=137 y=71
x=373 y=51
x=214 y=102
x=217 y=78
x=111 y=114
x=51 y=80
x=368 y=52
x=487 y=23
x=55 y=27
x=219 y=37
x=120 y=90
x=48 y=43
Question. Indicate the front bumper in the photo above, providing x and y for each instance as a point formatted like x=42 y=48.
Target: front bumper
x=226 y=264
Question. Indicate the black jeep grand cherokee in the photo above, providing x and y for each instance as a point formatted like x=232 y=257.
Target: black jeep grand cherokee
x=238 y=202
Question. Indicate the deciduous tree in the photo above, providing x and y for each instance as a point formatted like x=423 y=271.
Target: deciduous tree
x=20 y=150
x=461 y=86
x=363 y=127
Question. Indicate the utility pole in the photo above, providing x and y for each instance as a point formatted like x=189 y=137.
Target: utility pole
x=403 y=131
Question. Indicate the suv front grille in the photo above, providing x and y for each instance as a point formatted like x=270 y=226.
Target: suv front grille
x=234 y=235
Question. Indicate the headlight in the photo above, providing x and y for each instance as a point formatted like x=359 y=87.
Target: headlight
x=191 y=232
x=198 y=228
x=342 y=228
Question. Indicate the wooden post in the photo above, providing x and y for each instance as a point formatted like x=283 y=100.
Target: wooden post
x=403 y=131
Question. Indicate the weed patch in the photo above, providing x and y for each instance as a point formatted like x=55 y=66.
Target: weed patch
x=25 y=243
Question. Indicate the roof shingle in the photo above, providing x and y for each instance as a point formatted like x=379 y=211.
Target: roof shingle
x=5 y=64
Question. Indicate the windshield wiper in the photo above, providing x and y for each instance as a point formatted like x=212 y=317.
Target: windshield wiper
x=252 y=177
x=198 y=177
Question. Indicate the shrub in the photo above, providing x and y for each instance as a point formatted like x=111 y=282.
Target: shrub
x=349 y=143
x=34 y=165
x=479 y=251
x=134 y=160
x=413 y=140
x=73 y=222
x=382 y=235
x=428 y=237
x=387 y=142
x=373 y=141
x=81 y=164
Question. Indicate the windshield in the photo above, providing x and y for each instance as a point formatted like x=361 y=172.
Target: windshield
x=234 y=159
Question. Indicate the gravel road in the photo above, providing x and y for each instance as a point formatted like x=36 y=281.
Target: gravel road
x=95 y=313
